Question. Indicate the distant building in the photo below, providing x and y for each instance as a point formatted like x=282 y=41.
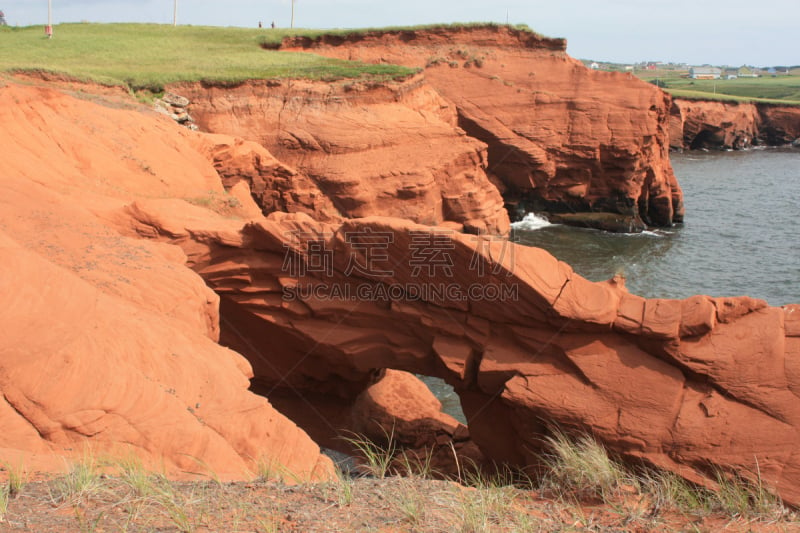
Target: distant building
x=747 y=72
x=705 y=73
x=594 y=66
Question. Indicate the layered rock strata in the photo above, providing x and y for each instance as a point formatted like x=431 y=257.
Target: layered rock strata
x=524 y=340
x=561 y=137
x=360 y=149
x=109 y=340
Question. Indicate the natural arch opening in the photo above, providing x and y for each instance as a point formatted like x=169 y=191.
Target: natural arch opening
x=445 y=393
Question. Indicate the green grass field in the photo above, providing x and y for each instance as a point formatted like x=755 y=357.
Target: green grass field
x=148 y=56
x=778 y=90
x=274 y=37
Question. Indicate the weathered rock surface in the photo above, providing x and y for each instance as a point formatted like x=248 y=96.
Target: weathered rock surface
x=716 y=125
x=780 y=125
x=108 y=344
x=175 y=107
x=677 y=383
x=358 y=150
x=561 y=137
x=109 y=341
x=400 y=407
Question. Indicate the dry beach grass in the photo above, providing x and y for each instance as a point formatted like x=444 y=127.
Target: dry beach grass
x=582 y=489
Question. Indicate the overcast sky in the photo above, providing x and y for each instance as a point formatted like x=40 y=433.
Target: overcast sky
x=732 y=32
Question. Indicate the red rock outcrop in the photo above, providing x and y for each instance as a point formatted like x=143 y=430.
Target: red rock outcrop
x=561 y=137
x=108 y=344
x=780 y=124
x=360 y=149
x=720 y=125
x=523 y=339
x=109 y=341
x=400 y=407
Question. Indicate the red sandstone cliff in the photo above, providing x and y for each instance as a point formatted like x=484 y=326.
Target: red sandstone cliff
x=677 y=383
x=109 y=344
x=108 y=338
x=718 y=125
x=357 y=149
x=561 y=137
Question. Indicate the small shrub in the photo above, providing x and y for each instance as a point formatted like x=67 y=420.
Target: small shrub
x=412 y=463
x=582 y=466
x=81 y=483
x=344 y=488
x=739 y=496
x=378 y=457
x=4 y=498
x=669 y=491
x=133 y=475
x=17 y=477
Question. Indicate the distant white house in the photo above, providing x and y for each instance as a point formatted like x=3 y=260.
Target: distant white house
x=705 y=73
x=594 y=66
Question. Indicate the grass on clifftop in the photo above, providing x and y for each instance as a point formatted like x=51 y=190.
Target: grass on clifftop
x=274 y=37
x=148 y=56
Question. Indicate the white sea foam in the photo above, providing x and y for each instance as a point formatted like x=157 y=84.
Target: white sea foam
x=531 y=222
x=653 y=233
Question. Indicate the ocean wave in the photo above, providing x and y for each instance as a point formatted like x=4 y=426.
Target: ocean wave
x=531 y=222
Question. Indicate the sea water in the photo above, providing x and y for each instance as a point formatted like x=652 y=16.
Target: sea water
x=740 y=235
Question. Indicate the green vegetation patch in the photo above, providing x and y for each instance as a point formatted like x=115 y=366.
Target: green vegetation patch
x=781 y=89
x=274 y=37
x=148 y=56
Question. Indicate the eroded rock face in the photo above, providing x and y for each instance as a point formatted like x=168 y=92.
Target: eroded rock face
x=561 y=137
x=359 y=150
x=780 y=124
x=703 y=125
x=717 y=125
x=400 y=407
x=108 y=343
x=523 y=339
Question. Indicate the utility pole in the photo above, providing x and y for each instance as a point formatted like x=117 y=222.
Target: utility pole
x=49 y=29
x=292 y=24
x=175 y=14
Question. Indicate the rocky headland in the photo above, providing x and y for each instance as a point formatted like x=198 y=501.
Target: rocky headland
x=317 y=243
x=559 y=137
x=718 y=125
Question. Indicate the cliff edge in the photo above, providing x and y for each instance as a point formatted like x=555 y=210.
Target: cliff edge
x=561 y=138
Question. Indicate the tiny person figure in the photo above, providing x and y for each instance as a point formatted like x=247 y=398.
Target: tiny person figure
x=2 y=19
x=259 y=24
x=273 y=24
